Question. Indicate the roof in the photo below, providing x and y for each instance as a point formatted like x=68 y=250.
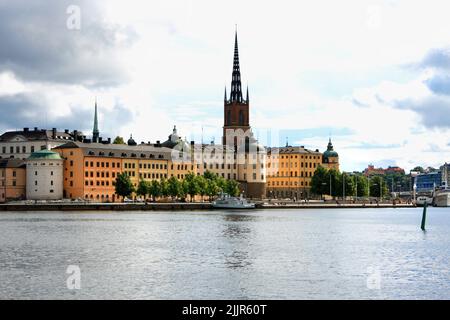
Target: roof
x=11 y=163
x=119 y=150
x=44 y=154
x=35 y=134
x=292 y=150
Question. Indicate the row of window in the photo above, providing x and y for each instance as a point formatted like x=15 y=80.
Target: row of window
x=99 y=164
x=293 y=165
x=296 y=157
x=288 y=183
x=22 y=149
x=293 y=174
x=98 y=174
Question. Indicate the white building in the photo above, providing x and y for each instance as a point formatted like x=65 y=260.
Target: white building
x=21 y=144
x=44 y=176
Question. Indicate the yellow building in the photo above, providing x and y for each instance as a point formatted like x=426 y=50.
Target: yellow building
x=12 y=180
x=289 y=171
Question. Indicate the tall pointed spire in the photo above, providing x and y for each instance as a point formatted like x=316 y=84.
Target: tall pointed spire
x=236 y=90
x=95 y=132
x=225 y=98
x=247 y=99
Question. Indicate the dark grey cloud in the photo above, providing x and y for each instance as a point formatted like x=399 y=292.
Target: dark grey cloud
x=434 y=111
x=36 y=44
x=32 y=110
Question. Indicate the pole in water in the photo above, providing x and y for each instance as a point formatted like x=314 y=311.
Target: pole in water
x=424 y=216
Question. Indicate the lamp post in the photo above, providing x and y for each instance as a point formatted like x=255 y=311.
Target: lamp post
x=343 y=186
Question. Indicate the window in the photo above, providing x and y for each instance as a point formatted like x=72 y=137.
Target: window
x=17 y=149
x=32 y=148
x=24 y=149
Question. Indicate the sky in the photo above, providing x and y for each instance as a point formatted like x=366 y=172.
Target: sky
x=372 y=75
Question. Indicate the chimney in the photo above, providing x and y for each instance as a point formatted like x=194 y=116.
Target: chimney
x=26 y=129
x=35 y=128
x=109 y=140
x=75 y=135
x=100 y=140
x=53 y=133
x=158 y=144
x=66 y=130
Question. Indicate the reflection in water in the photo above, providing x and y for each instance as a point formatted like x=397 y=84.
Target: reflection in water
x=238 y=233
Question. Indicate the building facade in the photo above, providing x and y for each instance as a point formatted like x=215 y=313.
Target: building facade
x=289 y=171
x=12 y=180
x=44 y=176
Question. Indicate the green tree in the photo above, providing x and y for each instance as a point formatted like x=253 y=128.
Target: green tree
x=190 y=185
x=320 y=183
x=174 y=187
x=232 y=188
x=118 y=140
x=142 y=189
x=154 y=189
x=202 y=185
x=164 y=187
x=378 y=184
x=361 y=183
x=123 y=185
x=212 y=189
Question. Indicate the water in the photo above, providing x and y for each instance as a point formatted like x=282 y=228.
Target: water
x=262 y=254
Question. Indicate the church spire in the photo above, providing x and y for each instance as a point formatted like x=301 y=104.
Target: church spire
x=236 y=90
x=95 y=132
x=225 y=98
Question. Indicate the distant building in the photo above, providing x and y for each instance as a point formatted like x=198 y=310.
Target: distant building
x=445 y=172
x=12 y=180
x=21 y=144
x=44 y=176
x=371 y=170
x=427 y=182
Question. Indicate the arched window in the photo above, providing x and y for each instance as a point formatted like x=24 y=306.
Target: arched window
x=241 y=117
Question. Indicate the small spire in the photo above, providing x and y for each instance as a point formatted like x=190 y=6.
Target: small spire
x=175 y=129
x=287 y=141
x=225 y=98
x=248 y=99
x=95 y=131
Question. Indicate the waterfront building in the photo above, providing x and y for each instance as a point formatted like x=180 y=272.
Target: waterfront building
x=330 y=158
x=44 y=176
x=21 y=144
x=427 y=182
x=12 y=180
x=90 y=169
x=289 y=171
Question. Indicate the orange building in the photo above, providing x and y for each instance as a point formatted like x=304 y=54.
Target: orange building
x=12 y=180
x=90 y=169
x=289 y=171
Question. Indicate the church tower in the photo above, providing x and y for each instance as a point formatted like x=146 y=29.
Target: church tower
x=236 y=108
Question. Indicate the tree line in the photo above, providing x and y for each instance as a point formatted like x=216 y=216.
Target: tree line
x=356 y=185
x=209 y=184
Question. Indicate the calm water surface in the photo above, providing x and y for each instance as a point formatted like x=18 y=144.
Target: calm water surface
x=263 y=254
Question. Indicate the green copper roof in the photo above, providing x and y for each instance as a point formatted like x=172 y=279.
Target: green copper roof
x=45 y=154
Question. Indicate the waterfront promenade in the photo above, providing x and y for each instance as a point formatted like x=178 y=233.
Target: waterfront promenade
x=179 y=206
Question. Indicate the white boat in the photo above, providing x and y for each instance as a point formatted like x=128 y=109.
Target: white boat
x=421 y=200
x=225 y=201
x=442 y=198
